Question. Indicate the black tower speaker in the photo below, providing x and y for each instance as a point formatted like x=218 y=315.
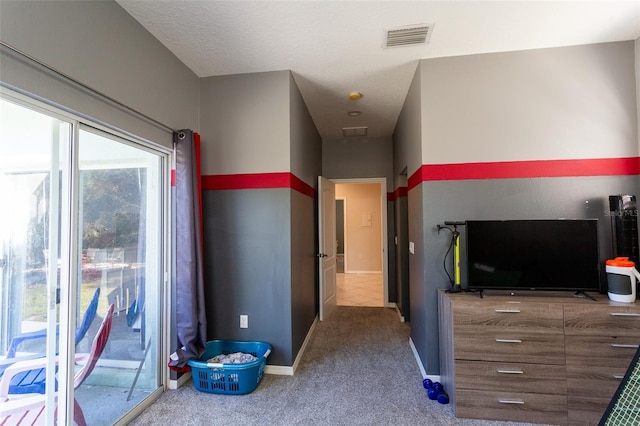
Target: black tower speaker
x=624 y=226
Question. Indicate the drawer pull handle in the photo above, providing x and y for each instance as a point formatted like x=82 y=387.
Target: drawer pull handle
x=624 y=314
x=618 y=376
x=508 y=311
x=620 y=345
x=508 y=340
x=510 y=401
x=510 y=371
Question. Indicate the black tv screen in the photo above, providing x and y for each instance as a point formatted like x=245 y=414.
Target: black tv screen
x=557 y=254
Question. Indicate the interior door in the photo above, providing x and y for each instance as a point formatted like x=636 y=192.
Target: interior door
x=327 y=246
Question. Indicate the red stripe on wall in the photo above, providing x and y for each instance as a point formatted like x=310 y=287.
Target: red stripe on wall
x=301 y=186
x=527 y=169
x=257 y=181
x=400 y=191
x=196 y=140
x=173 y=177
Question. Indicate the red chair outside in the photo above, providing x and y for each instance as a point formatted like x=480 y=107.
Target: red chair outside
x=29 y=409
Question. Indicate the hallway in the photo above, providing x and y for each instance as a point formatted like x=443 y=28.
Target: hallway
x=359 y=290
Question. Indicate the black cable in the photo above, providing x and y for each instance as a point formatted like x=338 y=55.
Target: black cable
x=444 y=261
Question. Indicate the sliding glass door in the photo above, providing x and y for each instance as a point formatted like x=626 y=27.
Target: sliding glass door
x=82 y=229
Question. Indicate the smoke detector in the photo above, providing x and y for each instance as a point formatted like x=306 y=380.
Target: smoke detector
x=408 y=35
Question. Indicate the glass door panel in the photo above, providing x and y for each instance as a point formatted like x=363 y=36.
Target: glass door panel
x=81 y=229
x=32 y=170
x=120 y=236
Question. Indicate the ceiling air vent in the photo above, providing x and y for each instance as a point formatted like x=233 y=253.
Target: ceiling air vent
x=354 y=131
x=408 y=35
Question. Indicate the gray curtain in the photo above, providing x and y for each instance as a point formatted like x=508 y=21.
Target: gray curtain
x=191 y=321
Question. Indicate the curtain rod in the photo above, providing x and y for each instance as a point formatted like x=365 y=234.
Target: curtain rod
x=84 y=86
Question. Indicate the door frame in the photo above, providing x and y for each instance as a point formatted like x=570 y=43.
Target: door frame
x=344 y=228
x=384 y=239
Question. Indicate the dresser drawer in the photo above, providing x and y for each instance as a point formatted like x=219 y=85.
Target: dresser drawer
x=594 y=382
x=527 y=317
x=619 y=320
x=498 y=376
x=586 y=411
x=602 y=351
x=512 y=406
x=507 y=346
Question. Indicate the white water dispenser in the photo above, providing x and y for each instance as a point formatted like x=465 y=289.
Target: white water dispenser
x=621 y=279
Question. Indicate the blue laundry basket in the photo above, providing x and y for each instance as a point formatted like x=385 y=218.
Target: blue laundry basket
x=229 y=379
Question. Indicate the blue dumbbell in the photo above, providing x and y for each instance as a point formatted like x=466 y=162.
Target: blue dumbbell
x=427 y=384
x=436 y=389
x=443 y=398
x=436 y=392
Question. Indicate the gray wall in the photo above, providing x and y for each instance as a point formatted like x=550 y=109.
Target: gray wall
x=407 y=152
x=306 y=144
x=363 y=157
x=245 y=123
x=304 y=270
x=353 y=158
x=564 y=103
x=407 y=136
x=247 y=268
x=101 y=45
x=306 y=164
x=259 y=243
x=402 y=256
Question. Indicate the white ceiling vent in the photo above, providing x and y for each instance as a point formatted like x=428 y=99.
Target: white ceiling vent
x=354 y=131
x=408 y=35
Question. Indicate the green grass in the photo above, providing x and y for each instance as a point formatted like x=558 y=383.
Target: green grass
x=35 y=301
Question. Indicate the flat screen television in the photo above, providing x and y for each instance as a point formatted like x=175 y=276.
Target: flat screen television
x=557 y=254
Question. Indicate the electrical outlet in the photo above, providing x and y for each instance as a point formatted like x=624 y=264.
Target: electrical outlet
x=244 y=321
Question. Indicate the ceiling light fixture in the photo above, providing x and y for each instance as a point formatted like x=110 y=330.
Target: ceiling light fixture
x=354 y=113
x=354 y=96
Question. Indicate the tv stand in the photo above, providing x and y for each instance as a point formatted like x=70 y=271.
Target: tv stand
x=534 y=357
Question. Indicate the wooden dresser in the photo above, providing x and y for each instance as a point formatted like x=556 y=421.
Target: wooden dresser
x=551 y=358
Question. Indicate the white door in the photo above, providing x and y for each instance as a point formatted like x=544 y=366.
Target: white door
x=327 y=246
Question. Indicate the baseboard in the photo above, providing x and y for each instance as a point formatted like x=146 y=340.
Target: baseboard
x=278 y=370
x=363 y=272
x=419 y=361
x=284 y=370
x=175 y=384
x=402 y=319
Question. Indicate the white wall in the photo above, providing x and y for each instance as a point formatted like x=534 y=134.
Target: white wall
x=363 y=230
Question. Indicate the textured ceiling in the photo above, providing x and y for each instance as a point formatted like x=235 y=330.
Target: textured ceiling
x=335 y=47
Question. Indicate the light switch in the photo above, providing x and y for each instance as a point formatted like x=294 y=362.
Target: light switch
x=244 y=321
x=412 y=247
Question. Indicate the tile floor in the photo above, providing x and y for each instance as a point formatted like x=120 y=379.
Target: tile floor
x=359 y=290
